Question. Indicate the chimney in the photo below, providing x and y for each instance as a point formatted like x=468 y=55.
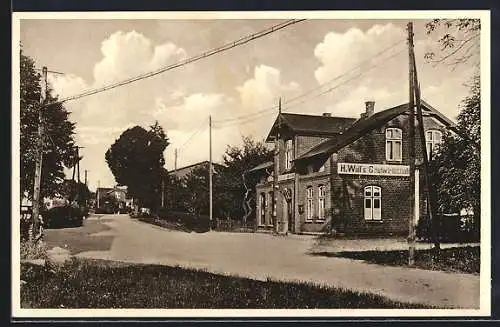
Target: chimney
x=327 y=114
x=370 y=108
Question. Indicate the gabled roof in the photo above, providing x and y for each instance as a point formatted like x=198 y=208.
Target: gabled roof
x=264 y=165
x=363 y=126
x=311 y=124
x=183 y=171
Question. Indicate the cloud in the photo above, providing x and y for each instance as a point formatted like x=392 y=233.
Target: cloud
x=264 y=88
x=339 y=52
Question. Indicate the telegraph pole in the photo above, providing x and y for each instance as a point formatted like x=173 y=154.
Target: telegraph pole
x=276 y=169
x=97 y=192
x=430 y=197
x=411 y=149
x=175 y=159
x=163 y=191
x=85 y=177
x=39 y=157
x=210 y=167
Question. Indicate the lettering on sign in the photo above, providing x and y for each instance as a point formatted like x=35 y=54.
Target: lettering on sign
x=283 y=177
x=372 y=169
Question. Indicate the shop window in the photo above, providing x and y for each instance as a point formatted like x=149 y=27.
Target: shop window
x=262 y=201
x=288 y=154
x=321 y=202
x=373 y=203
x=310 y=204
x=393 y=144
x=433 y=138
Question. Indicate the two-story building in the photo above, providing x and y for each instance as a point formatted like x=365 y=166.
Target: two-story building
x=343 y=174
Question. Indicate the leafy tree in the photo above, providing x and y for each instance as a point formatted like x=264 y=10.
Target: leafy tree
x=136 y=160
x=457 y=165
x=75 y=191
x=234 y=188
x=197 y=190
x=459 y=42
x=58 y=142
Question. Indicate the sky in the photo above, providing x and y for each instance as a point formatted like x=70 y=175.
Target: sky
x=239 y=82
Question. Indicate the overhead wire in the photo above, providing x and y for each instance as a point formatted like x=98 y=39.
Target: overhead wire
x=201 y=128
x=225 y=47
x=261 y=113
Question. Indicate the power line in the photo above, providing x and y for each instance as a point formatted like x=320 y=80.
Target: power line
x=273 y=108
x=349 y=80
x=203 y=55
x=258 y=114
x=202 y=127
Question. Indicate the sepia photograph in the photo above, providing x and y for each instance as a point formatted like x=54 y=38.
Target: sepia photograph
x=251 y=164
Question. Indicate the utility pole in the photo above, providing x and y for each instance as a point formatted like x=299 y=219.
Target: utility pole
x=85 y=177
x=276 y=169
x=411 y=149
x=430 y=189
x=163 y=191
x=210 y=167
x=39 y=157
x=97 y=192
x=175 y=159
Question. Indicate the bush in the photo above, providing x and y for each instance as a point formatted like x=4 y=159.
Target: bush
x=453 y=228
x=67 y=216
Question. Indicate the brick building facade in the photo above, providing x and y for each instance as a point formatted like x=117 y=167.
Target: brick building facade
x=368 y=196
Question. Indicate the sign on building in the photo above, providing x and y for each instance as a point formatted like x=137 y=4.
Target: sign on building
x=372 y=169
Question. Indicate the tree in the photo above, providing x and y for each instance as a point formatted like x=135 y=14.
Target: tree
x=235 y=188
x=58 y=140
x=459 y=43
x=457 y=165
x=136 y=160
x=196 y=185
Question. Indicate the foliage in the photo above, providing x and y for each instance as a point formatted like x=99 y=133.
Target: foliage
x=234 y=187
x=459 y=42
x=58 y=130
x=99 y=284
x=32 y=251
x=196 y=183
x=136 y=160
x=457 y=165
x=74 y=191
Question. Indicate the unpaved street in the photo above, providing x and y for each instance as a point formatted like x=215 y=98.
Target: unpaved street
x=263 y=256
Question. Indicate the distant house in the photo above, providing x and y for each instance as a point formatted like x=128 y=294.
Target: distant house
x=186 y=170
x=118 y=193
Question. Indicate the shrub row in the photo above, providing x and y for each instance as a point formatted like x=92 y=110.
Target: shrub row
x=453 y=229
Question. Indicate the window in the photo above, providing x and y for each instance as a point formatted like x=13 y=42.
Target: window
x=321 y=202
x=288 y=154
x=322 y=168
x=310 y=204
x=432 y=140
x=373 y=203
x=393 y=140
x=262 y=217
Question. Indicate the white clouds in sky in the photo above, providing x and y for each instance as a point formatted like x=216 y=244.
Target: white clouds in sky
x=182 y=99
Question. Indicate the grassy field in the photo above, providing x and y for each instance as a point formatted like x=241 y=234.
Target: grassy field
x=102 y=284
x=460 y=259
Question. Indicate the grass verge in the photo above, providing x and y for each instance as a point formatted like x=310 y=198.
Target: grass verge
x=460 y=259
x=97 y=284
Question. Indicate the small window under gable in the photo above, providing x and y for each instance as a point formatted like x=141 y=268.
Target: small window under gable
x=393 y=144
x=433 y=138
